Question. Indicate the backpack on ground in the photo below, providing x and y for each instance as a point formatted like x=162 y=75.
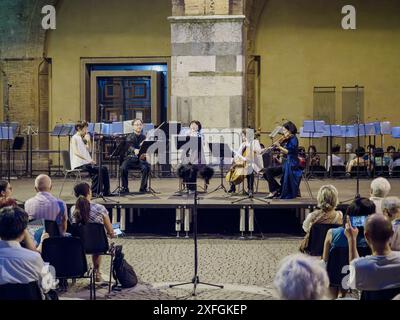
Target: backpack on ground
x=123 y=272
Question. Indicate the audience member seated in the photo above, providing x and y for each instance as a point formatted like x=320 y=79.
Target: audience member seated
x=381 y=270
x=6 y=195
x=379 y=158
x=301 y=277
x=391 y=209
x=394 y=162
x=389 y=153
x=313 y=158
x=45 y=206
x=370 y=153
x=85 y=211
x=336 y=237
x=336 y=160
x=350 y=155
x=358 y=160
x=380 y=188
x=325 y=214
x=17 y=264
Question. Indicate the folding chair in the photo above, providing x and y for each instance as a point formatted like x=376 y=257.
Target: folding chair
x=67 y=256
x=94 y=240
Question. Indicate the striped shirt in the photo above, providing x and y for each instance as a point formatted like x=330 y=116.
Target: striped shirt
x=45 y=206
x=96 y=215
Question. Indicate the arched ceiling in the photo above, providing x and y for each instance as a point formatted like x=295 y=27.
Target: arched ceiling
x=21 y=33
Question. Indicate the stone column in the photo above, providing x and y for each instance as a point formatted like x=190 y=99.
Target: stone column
x=208 y=69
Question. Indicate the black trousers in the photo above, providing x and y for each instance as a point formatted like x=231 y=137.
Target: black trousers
x=250 y=183
x=270 y=176
x=93 y=171
x=189 y=172
x=135 y=163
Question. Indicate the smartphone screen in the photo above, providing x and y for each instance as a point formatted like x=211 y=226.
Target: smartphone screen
x=358 y=221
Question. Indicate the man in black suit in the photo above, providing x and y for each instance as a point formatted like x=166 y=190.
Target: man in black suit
x=133 y=160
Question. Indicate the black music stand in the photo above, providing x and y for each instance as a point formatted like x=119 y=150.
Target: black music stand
x=169 y=129
x=118 y=153
x=57 y=132
x=195 y=280
x=102 y=131
x=220 y=150
x=7 y=134
x=146 y=144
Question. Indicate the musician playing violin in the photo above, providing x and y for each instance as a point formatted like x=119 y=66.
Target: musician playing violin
x=132 y=158
x=290 y=171
x=247 y=160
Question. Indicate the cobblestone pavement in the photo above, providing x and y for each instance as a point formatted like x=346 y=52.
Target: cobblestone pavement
x=246 y=268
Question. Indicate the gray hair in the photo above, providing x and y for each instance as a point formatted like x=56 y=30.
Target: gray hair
x=42 y=182
x=327 y=197
x=301 y=277
x=380 y=187
x=391 y=205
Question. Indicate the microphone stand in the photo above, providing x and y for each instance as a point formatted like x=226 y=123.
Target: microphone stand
x=358 y=143
x=195 y=280
x=357 y=196
x=7 y=111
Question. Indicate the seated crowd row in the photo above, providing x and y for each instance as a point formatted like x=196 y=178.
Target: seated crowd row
x=21 y=246
x=367 y=235
x=369 y=158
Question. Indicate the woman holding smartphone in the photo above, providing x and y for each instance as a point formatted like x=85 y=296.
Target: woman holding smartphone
x=358 y=210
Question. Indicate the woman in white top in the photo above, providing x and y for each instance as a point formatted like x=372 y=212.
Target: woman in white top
x=81 y=159
x=85 y=211
x=358 y=160
x=336 y=160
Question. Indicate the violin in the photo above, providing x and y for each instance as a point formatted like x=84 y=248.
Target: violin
x=277 y=143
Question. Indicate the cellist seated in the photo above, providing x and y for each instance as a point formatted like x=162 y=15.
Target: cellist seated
x=247 y=160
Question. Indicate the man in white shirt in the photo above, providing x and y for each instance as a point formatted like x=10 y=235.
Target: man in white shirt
x=336 y=160
x=81 y=159
x=381 y=270
x=17 y=264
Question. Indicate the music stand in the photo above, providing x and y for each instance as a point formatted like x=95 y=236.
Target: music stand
x=118 y=153
x=146 y=144
x=396 y=132
x=195 y=280
x=220 y=150
x=7 y=134
x=331 y=131
x=57 y=130
x=103 y=129
x=309 y=136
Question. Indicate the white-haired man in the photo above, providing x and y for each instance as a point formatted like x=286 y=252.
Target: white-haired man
x=391 y=208
x=45 y=206
x=380 y=188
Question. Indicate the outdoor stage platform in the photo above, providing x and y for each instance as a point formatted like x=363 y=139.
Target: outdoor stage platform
x=210 y=205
